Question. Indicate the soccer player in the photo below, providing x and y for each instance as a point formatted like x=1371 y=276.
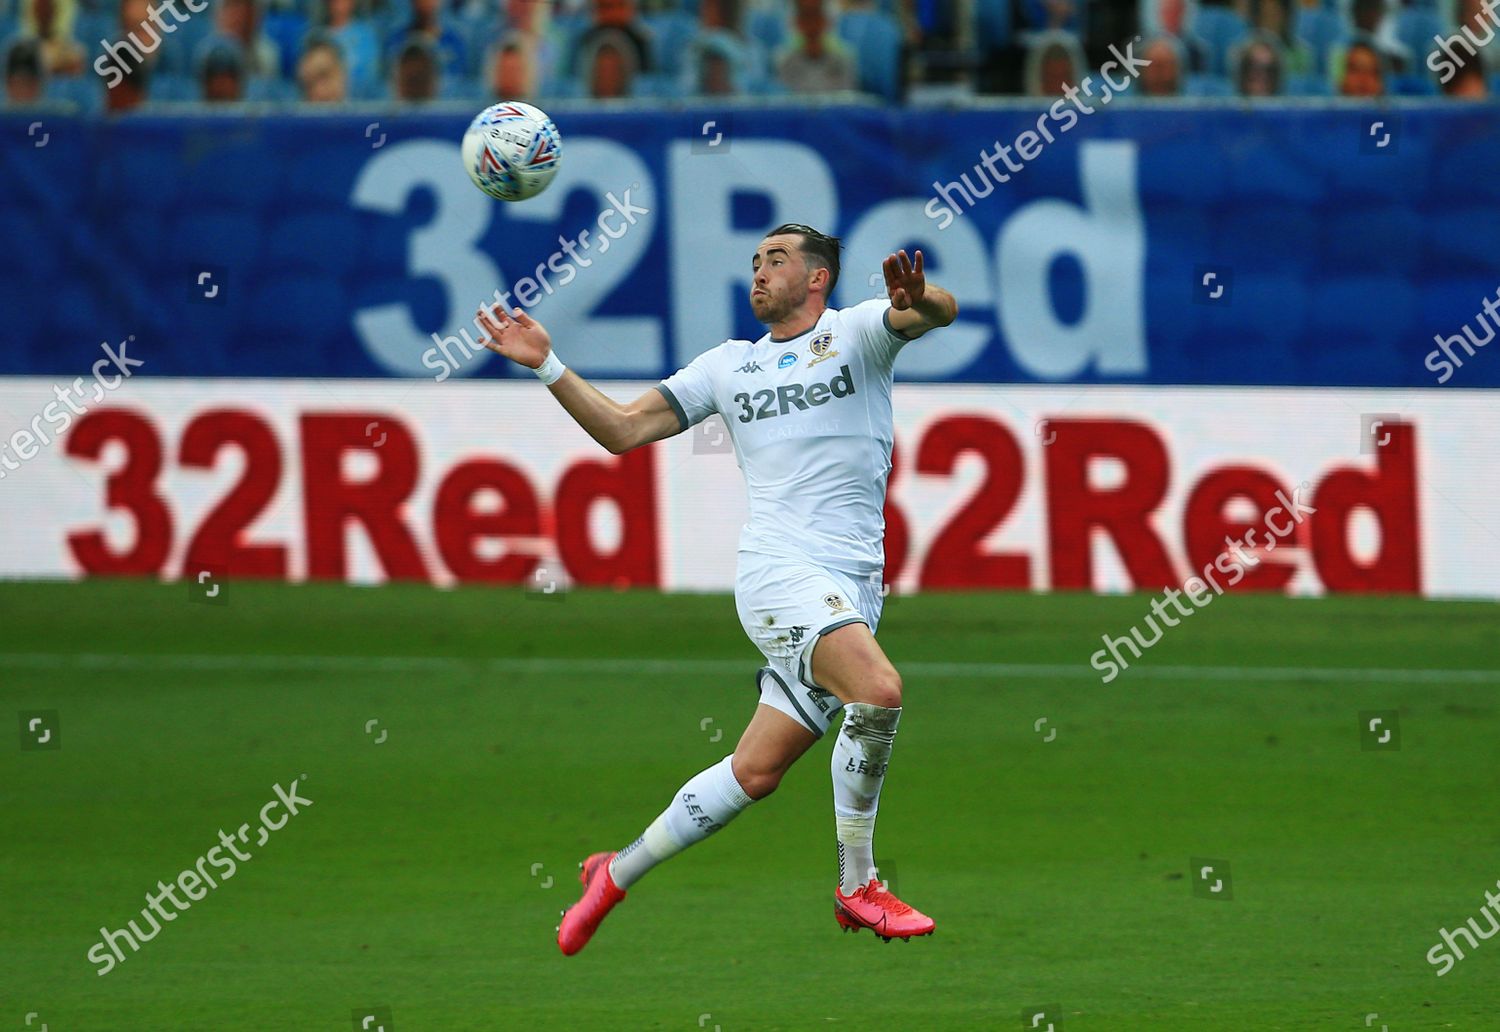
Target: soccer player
x=808 y=407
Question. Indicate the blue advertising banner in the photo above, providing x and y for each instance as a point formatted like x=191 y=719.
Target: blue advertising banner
x=1348 y=246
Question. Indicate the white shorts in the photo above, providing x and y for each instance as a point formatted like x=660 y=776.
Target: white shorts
x=785 y=606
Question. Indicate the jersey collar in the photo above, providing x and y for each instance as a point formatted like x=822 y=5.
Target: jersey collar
x=804 y=333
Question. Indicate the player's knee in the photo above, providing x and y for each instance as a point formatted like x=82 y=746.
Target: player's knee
x=757 y=782
x=878 y=686
x=883 y=688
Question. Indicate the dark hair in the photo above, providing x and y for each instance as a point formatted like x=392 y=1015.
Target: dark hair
x=1464 y=70
x=819 y=250
x=24 y=58
x=730 y=9
x=414 y=46
x=137 y=75
x=223 y=59
x=1271 y=63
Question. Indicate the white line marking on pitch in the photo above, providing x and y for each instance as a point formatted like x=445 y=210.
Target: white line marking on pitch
x=408 y=664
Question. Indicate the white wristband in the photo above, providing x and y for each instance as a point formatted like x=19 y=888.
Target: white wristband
x=551 y=370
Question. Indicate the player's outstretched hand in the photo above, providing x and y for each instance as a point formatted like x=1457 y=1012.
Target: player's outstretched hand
x=904 y=282
x=518 y=337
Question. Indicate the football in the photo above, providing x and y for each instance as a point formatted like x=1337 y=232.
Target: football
x=512 y=150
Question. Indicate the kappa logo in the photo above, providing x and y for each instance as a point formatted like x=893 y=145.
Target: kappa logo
x=822 y=348
x=750 y=367
x=835 y=603
x=788 y=359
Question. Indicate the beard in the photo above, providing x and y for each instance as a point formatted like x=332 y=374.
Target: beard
x=772 y=308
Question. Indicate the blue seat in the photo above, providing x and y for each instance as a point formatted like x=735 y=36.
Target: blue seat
x=1322 y=30
x=86 y=91
x=1207 y=86
x=1308 y=86
x=91 y=26
x=266 y=89
x=374 y=89
x=568 y=29
x=653 y=86
x=464 y=87
x=390 y=19
x=667 y=87
x=173 y=89
x=1220 y=29
x=768 y=86
x=479 y=31
x=670 y=34
x=767 y=26
x=286 y=29
x=992 y=24
x=178 y=49
x=875 y=39
x=1037 y=17
x=1418 y=28
x=1413 y=85
x=564 y=87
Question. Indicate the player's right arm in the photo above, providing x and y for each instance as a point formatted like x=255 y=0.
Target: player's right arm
x=617 y=427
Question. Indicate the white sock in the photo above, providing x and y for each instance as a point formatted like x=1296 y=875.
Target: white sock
x=861 y=754
x=711 y=799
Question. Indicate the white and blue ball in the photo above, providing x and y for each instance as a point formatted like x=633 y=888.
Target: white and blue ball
x=512 y=150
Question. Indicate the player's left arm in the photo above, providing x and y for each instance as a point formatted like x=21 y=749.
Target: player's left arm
x=916 y=305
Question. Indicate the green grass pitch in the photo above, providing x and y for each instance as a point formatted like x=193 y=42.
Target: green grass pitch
x=522 y=733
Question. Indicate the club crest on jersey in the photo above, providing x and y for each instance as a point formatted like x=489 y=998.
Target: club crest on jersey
x=788 y=359
x=835 y=603
x=821 y=347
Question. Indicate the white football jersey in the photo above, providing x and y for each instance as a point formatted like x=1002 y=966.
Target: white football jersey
x=811 y=422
